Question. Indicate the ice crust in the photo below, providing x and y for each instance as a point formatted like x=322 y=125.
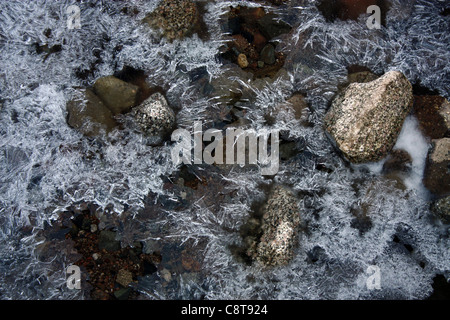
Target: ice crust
x=45 y=165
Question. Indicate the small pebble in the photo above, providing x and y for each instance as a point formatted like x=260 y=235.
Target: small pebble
x=165 y=274
x=242 y=61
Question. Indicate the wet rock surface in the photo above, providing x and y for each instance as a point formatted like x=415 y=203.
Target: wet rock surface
x=397 y=161
x=298 y=106
x=119 y=96
x=437 y=175
x=441 y=208
x=366 y=118
x=433 y=113
x=88 y=114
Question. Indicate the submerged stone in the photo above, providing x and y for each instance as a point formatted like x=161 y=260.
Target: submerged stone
x=397 y=161
x=441 y=208
x=107 y=241
x=271 y=26
x=89 y=115
x=433 y=113
x=119 y=96
x=298 y=105
x=437 y=174
x=268 y=54
x=365 y=119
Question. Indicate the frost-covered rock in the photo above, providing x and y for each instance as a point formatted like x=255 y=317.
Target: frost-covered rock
x=366 y=118
x=433 y=113
x=297 y=105
x=119 y=96
x=176 y=18
x=441 y=208
x=88 y=114
x=437 y=176
x=268 y=54
x=154 y=115
x=279 y=229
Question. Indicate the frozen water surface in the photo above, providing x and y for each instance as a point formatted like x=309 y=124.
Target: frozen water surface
x=46 y=166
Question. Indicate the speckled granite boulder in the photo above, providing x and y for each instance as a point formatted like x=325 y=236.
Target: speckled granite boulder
x=364 y=121
x=154 y=115
x=119 y=96
x=175 y=18
x=279 y=229
x=437 y=176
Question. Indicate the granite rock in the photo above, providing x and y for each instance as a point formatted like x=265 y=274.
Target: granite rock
x=365 y=119
x=279 y=227
x=154 y=115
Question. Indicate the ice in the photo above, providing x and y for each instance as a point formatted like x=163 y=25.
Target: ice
x=413 y=141
x=46 y=166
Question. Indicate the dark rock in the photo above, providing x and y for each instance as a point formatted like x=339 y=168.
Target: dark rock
x=350 y=9
x=437 y=169
x=176 y=18
x=89 y=115
x=316 y=254
x=441 y=288
x=268 y=54
x=119 y=96
x=107 y=240
x=271 y=27
x=287 y=150
x=234 y=25
x=397 y=161
x=149 y=267
x=441 y=208
x=300 y=107
x=433 y=113
x=122 y=294
x=198 y=73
